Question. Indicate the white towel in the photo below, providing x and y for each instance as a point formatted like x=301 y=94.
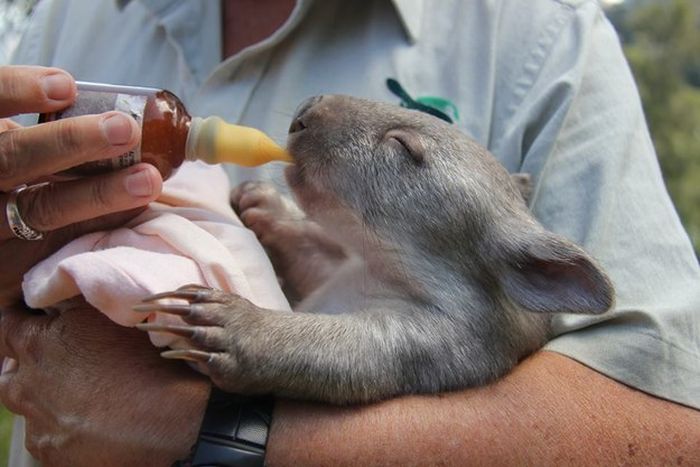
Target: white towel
x=190 y=235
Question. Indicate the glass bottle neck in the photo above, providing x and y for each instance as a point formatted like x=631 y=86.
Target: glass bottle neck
x=201 y=138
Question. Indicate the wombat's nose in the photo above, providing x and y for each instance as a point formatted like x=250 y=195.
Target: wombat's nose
x=298 y=120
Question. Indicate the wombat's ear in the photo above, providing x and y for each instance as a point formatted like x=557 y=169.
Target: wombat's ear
x=551 y=275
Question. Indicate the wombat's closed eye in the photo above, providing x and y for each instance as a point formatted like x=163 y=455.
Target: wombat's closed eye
x=418 y=266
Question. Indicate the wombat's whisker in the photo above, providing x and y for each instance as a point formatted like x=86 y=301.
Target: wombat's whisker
x=184 y=331
x=200 y=295
x=191 y=355
x=180 y=310
x=286 y=114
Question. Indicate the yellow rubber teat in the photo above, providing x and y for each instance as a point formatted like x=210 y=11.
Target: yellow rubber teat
x=213 y=140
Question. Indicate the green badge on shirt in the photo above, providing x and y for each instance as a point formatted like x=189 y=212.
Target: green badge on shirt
x=436 y=106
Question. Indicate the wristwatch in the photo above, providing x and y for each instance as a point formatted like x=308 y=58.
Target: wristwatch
x=233 y=433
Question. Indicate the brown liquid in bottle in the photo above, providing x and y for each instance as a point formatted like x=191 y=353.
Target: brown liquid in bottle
x=169 y=135
x=163 y=118
x=166 y=124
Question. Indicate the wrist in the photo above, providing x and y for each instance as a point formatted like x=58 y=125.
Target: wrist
x=183 y=425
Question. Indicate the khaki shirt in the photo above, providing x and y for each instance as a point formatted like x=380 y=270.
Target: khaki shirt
x=542 y=83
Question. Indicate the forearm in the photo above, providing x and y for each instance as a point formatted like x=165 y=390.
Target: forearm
x=144 y=411
x=181 y=412
x=549 y=410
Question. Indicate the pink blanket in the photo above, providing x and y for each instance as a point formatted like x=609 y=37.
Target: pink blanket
x=189 y=236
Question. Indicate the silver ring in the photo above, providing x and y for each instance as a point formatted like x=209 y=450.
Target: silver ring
x=15 y=221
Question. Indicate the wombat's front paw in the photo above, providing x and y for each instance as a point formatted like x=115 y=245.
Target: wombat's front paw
x=219 y=328
x=302 y=255
x=274 y=218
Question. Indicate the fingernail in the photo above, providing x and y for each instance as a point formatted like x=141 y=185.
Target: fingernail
x=117 y=129
x=139 y=184
x=58 y=86
x=9 y=365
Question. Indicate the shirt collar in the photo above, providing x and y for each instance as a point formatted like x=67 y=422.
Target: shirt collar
x=411 y=15
x=410 y=12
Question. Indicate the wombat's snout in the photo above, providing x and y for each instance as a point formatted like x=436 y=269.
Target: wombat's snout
x=298 y=122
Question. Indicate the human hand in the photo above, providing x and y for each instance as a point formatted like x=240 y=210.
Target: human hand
x=96 y=393
x=65 y=210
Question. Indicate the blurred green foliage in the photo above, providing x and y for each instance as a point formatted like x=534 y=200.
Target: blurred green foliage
x=662 y=44
x=5 y=434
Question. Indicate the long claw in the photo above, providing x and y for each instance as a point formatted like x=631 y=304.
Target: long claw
x=179 y=310
x=184 y=331
x=191 y=355
x=190 y=295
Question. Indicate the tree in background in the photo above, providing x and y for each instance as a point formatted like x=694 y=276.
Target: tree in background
x=662 y=44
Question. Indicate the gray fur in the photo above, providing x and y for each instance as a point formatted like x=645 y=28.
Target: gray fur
x=441 y=278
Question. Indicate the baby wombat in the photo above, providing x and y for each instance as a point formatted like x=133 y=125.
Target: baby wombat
x=417 y=264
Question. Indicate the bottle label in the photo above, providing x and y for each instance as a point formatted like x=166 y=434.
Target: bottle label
x=93 y=102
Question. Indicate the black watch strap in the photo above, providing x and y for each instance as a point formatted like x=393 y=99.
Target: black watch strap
x=234 y=432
